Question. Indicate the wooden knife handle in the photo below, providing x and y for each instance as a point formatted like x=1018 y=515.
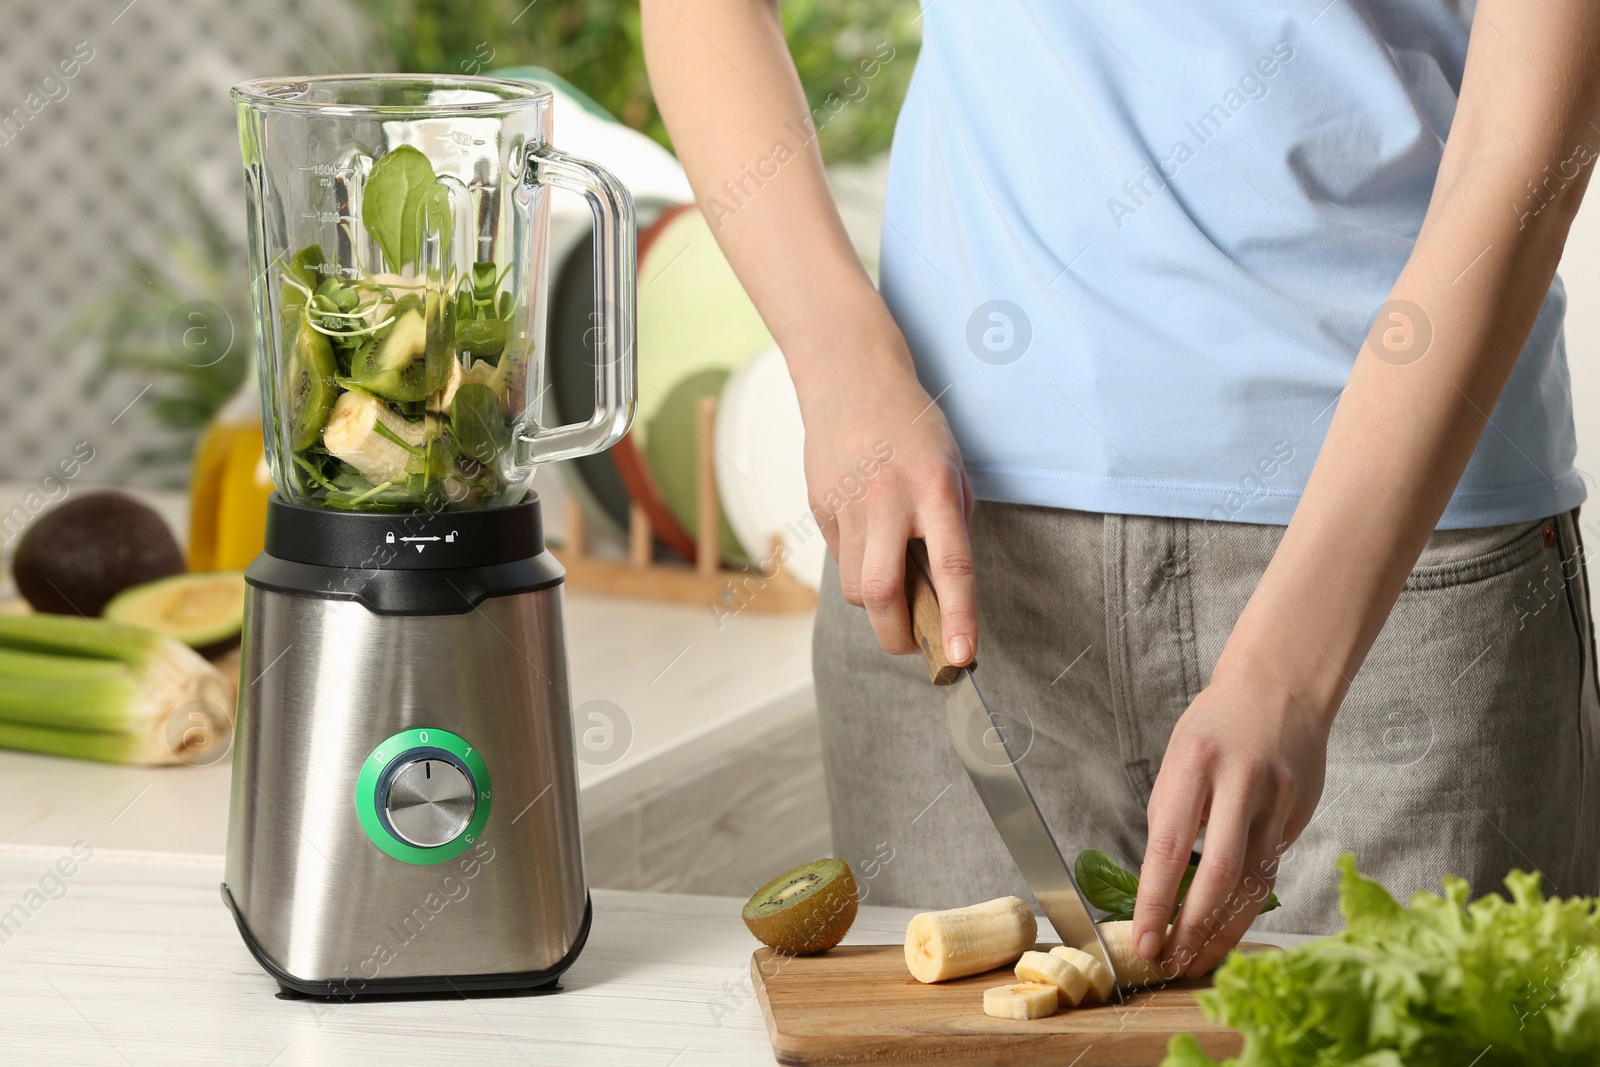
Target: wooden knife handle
x=924 y=605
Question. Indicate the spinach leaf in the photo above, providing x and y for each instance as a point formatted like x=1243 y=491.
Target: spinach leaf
x=402 y=201
x=1105 y=885
x=1114 y=890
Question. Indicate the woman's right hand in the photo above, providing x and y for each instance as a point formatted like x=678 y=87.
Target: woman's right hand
x=881 y=465
x=882 y=468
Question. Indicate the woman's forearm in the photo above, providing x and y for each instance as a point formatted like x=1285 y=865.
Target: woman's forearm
x=730 y=96
x=728 y=91
x=1409 y=419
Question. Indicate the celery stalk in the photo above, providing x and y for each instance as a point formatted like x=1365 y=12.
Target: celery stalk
x=107 y=691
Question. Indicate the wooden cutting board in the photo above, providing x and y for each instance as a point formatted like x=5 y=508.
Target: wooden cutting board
x=857 y=1004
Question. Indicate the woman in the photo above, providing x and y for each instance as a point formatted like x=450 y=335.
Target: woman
x=1209 y=306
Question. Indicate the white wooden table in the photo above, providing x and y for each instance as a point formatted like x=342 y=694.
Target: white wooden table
x=134 y=961
x=138 y=962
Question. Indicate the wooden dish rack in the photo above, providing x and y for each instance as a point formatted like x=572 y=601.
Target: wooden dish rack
x=767 y=588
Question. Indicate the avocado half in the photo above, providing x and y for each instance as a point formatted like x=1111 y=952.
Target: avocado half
x=806 y=910
x=204 y=611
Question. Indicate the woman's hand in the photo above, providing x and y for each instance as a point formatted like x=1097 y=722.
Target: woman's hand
x=881 y=468
x=880 y=463
x=1246 y=761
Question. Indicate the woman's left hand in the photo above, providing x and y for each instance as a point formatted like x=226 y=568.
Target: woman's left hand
x=1246 y=761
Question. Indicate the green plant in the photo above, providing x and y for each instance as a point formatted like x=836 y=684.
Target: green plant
x=182 y=325
x=594 y=44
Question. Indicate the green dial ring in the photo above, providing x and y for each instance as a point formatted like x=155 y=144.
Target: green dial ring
x=392 y=749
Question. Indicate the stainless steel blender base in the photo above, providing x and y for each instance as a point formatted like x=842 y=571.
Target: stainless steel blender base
x=330 y=893
x=454 y=985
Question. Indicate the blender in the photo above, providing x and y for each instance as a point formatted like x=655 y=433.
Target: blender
x=404 y=813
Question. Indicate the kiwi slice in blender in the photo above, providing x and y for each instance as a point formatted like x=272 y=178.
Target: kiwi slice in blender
x=805 y=911
x=311 y=385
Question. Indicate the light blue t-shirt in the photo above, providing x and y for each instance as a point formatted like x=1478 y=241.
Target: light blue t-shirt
x=1135 y=246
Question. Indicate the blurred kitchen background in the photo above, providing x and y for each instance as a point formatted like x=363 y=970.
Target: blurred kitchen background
x=127 y=318
x=126 y=322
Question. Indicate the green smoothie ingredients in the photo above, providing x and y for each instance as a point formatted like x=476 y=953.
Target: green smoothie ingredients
x=102 y=690
x=806 y=910
x=396 y=385
x=205 y=611
x=1441 y=983
x=957 y=942
x=1114 y=890
x=82 y=552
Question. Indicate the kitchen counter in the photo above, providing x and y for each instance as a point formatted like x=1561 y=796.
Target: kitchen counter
x=136 y=961
x=675 y=713
x=675 y=692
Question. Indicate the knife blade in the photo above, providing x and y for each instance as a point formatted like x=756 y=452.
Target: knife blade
x=986 y=744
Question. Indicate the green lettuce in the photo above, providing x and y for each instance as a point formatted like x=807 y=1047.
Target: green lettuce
x=1486 y=983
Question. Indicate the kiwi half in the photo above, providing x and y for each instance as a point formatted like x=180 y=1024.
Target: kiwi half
x=806 y=910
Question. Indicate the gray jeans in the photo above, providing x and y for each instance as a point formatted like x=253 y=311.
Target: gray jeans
x=1467 y=744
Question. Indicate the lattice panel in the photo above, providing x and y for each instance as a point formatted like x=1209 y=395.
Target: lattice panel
x=85 y=185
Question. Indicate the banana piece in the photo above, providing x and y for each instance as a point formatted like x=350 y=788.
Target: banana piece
x=1094 y=971
x=1132 y=970
x=352 y=435
x=1022 y=1000
x=952 y=944
x=481 y=371
x=1070 y=982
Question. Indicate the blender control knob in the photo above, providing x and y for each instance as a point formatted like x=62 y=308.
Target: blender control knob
x=430 y=802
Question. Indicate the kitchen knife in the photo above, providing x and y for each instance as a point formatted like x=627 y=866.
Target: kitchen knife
x=980 y=739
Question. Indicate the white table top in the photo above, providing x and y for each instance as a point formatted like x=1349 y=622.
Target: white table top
x=691 y=688
x=138 y=962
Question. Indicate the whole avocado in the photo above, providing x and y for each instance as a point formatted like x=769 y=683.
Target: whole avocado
x=79 y=555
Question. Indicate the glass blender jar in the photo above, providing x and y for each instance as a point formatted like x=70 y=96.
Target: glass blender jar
x=404 y=717
x=398 y=227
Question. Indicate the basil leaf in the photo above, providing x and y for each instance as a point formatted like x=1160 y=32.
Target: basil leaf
x=1114 y=890
x=1104 y=884
x=401 y=202
x=1267 y=905
x=478 y=422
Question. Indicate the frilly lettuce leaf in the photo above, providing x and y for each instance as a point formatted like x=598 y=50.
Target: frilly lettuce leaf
x=1445 y=982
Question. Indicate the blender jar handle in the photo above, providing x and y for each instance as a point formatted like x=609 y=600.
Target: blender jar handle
x=615 y=361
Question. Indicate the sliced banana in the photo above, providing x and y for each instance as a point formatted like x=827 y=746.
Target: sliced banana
x=1069 y=981
x=491 y=374
x=1132 y=970
x=352 y=435
x=952 y=944
x=1021 y=1000
x=1094 y=971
